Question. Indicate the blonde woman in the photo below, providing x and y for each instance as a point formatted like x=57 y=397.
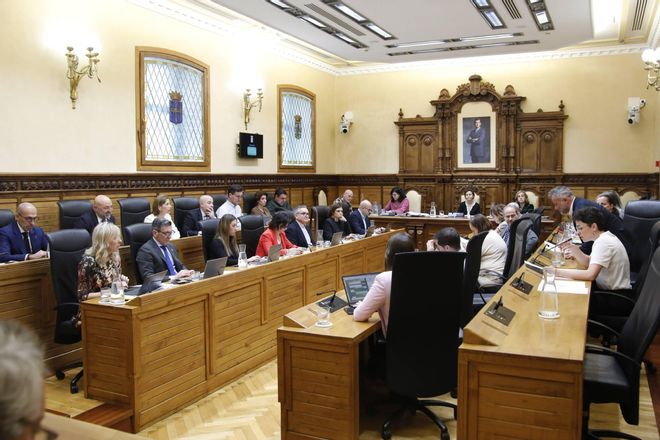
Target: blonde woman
x=161 y=208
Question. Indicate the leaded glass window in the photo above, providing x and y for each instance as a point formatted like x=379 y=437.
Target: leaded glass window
x=173 y=96
x=297 y=116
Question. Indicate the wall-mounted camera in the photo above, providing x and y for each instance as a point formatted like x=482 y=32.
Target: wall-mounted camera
x=345 y=122
x=635 y=105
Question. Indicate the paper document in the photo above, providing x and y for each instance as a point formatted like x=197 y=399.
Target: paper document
x=568 y=286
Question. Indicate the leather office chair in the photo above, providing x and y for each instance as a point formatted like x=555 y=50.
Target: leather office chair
x=249 y=202
x=639 y=216
x=422 y=331
x=613 y=376
x=133 y=210
x=209 y=228
x=218 y=201
x=70 y=210
x=536 y=222
x=183 y=205
x=470 y=301
x=66 y=251
x=136 y=235
x=319 y=216
x=6 y=217
x=515 y=255
x=252 y=226
x=539 y=210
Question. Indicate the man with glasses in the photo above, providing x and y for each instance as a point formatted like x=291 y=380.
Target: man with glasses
x=359 y=220
x=232 y=205
x=21 y=239
x=101 y=212
x=298 y=231
x=159 y=254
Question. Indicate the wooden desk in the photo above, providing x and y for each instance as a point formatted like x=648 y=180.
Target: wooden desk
x=423 y=229
x=71 y=429
x=167 y=349
x=524 y=380
x=318 y=375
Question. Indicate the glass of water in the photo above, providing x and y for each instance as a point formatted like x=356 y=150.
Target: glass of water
x=117 y=291
x=105 y=295
x=323 y=317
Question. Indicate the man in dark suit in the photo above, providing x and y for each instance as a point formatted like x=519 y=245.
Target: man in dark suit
x=477 y=141
x=346 y=204
x=205 y=212
x=157 y=254
x=21 y=239
x=298 y=231
x=359 y=220
x=278 y=202
x=101 y=212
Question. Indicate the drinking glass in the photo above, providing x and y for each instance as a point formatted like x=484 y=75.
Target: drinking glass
x=557 y=257
x=441 y=213
x=323 y=317
x=549 y=300
x=242 y=247
x=105 y=295
x=117 y=291
x=242 y=258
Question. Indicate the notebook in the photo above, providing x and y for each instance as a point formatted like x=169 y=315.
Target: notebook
x=215 y=267
x=336 y=238
x=357 y=286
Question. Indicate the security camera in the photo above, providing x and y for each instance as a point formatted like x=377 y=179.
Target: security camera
x=345 y=122
x=633 y=115
x=343 y=128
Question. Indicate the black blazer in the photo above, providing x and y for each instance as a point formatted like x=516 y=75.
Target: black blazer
x=150 y=259
x=217 y=250
x=330 y=227
x=527 y=207
x=12 y=246
x=190 y=226
x=295 y=234
x=355 y=222
x=89 y=221
x=476 y=209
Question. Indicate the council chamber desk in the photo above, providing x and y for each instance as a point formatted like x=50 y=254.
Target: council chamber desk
x=164 y=350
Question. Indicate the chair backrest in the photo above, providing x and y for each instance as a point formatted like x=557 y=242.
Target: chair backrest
x=627 y=197
x=422 y=330
x=639 y=217
x=70 y=210
x=539 y=210
x=654 y=242
x=209 y=228
x=249 y=201
x=536 y=222
x=532 y=197
x=6 y=217
x=470 y=277
x=133 y=210
x=322 y=198
x=135 y=236
x=218 y=200
x=252 y=226
x=182 y=206
x=515 y=255
x=414 y=200
x=319 y=216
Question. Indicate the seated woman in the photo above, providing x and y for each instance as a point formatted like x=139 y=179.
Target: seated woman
x=378 y=297
x=523 y=202
x=101 y=263
x=399 y=203
x=335 y=223
x=611 y=201
x=608 y=263
x=275 y=234
x=496 y=218
x=224 y=242
x=469 y=206
x=493 y=251
x=261 y=209
x=161 y=209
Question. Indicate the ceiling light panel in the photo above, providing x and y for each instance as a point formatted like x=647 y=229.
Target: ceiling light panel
x=488 y=12
x=359 y=18
x=541 y=15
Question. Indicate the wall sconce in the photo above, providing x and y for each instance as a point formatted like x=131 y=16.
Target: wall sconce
x=652 y=60
x=74 y=75
x=248 y=106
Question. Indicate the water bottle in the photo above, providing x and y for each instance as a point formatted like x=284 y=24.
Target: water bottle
x=242 y=256
x=549 y=301
x=432 y=213
x=117 y=290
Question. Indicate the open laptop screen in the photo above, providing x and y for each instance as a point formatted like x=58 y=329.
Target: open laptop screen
x=357 y=286
x=215 y=267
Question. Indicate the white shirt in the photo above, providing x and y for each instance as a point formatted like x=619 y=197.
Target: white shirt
x=305 y=233
x=609 y=253
x=175 y=232
x=493 y=257
x=229 y=208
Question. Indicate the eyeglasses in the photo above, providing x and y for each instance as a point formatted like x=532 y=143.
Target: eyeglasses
x=29 y=218
x=304 y=213
x=166 y=233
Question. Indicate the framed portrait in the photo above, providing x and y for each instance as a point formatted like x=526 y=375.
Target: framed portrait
x=477 y=129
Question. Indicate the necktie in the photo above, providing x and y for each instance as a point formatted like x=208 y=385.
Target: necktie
x=364 y=222
x=505 y=236
x=26 y=240
x=168 y=260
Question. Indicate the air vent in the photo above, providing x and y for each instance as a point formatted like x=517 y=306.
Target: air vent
x=336 y=20
x=640 y=12
x=512 y=8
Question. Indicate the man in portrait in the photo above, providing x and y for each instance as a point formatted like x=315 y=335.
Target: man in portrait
x=477 y=142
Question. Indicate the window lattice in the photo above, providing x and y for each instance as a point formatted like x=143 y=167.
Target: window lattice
x=297 y=129
x=167 y=140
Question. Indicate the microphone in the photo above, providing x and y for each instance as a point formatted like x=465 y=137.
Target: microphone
x=328 y=302
x=498 y=304
x=519 y=281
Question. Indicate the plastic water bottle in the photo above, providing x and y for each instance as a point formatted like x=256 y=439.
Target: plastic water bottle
x=432 y=213
x=549 y=300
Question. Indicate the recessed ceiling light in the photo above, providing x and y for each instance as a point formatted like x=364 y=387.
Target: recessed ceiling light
x=378 y=30
x=279 y=4
x=541 y=17
x=345 y=38
x=492 y=18
x=488 y=37
x=481 y=3
x=313 y=21
x=348 y=11
x=419 y=43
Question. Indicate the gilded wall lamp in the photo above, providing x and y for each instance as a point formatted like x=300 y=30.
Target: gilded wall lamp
x=249 y=105
x=74 y=75
x=651 y=59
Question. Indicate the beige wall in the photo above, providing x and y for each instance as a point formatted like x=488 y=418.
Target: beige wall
x=43 y=134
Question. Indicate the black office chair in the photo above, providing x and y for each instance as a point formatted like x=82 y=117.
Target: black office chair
x=133 y=210
x=249 y=201
x=471 y=301
x=613 y=376
x=252 y=226
x=209 y=228
x=639 y=216
x=70 y=210
x=6 y=217
x=536 y=222
x=422 y=332
x=183 y=205
x=66 y=250
x=515 y=255
x=218 y=201
x=319 y=216
x=539 y=210
x=136 y=235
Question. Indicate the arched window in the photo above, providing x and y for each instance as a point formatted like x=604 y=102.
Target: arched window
x=296 y=124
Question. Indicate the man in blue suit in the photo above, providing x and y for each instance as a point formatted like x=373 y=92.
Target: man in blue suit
x=101 y=212
x=359 y=220
x=298 y=231
x=21 y=240
x=477 y=141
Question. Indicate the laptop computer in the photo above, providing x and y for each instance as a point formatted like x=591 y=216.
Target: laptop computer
x=357 y=286
x=370 y=231
x=215 y=267
x=151 y=283
x=336 y=238
x=274 y=252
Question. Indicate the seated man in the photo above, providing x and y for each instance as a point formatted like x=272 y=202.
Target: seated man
x=298 y=231
x=21 y=239
x=447 y=240
x=511 y=214
x=158 y=254
x=231 y=206
x=278 y=203
x=101 y=212
x=204 y=212
x=359 y=220
x=346 y=205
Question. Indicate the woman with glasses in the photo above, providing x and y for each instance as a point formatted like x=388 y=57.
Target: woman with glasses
x=162 y=208
x=224 y=243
